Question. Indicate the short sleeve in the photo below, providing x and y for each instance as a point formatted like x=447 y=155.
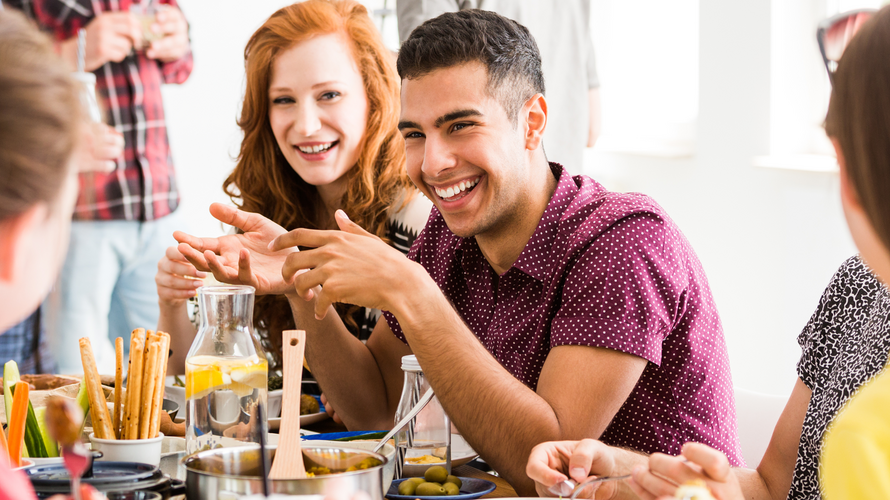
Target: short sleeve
x=813 y=340
x=624 y=290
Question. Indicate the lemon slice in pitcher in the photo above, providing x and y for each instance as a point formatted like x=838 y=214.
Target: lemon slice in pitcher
x=246 y=378
x=203 y=376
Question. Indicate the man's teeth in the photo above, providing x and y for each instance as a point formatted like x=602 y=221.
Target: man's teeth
x=457 y=188
x=315 y=149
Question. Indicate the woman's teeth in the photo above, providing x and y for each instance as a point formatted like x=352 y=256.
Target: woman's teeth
x=319 y=148
x=457 y=188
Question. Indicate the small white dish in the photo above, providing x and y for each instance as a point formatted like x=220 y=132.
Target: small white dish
x=45 y=461
x=146 y=451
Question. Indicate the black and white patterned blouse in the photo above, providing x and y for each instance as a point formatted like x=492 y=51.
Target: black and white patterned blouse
x=845 y=344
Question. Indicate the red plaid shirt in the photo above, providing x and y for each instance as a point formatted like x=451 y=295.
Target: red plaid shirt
x=143 y=185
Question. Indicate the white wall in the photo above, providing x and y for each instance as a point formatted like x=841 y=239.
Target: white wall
x=769 y=239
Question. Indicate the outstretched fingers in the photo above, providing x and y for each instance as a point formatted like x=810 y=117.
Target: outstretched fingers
x=240 y=219
x=220 y=271
x=199 y=244
x=195 y=257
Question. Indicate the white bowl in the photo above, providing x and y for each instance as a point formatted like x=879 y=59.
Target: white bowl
x=146 y=451
x=174 y=393
x=388 y=451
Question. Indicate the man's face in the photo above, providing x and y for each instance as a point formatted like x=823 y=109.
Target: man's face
x=463 y=151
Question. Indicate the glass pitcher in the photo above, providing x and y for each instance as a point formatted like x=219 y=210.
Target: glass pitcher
x=425 y=441
x=225 y=371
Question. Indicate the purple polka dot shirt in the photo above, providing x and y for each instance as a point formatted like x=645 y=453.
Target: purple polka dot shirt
x=609 y=270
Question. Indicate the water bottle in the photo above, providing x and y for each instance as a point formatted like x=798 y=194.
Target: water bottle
x=426 y=440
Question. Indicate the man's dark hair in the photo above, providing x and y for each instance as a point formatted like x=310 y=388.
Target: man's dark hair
x=505 y=47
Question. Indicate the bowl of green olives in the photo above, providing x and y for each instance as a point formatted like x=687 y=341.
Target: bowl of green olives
x=438 y=483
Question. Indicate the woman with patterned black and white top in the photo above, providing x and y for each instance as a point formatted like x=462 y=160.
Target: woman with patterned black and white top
x=319 y=117
x=836 y=417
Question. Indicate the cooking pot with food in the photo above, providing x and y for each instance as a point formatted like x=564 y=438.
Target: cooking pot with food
x=333 y=471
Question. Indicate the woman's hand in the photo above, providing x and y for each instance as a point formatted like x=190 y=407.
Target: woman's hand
x=240 y=259
x=175 y=279
x=555 y=461
x=696 y=461
x=329 y=409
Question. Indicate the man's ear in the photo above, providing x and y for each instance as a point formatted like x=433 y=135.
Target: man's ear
x=14 y=232
x=849 y=196
x=535 y=121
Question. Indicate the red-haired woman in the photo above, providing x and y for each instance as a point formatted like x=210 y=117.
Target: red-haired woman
x=319 y=120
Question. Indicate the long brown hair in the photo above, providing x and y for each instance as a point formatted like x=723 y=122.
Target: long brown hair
x=264 y=182
x=859 y=118
x=40 y=117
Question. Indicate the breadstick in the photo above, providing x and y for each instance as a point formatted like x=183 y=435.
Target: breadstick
x=149 y=377
x=156 y=409
x=98 y=405
x=118 y=382
x=134 y=384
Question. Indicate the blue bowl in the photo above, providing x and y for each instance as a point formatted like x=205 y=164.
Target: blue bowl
x=470 y=488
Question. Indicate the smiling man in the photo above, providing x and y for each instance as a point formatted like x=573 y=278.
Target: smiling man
x=540 y=305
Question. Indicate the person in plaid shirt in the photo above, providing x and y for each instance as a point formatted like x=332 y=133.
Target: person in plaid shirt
x=124 y=218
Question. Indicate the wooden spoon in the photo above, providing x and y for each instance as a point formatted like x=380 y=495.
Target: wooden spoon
x=288 y=463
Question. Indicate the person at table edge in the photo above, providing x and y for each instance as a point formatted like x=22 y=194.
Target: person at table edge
x=540 y=305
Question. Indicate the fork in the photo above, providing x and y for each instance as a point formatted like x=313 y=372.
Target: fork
x=571 y=488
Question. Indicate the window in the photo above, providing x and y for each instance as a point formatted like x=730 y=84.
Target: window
x=649 y=91
x=799 y=85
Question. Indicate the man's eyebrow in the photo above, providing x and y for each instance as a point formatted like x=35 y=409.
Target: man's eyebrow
x=456 y=115
x=407 y=124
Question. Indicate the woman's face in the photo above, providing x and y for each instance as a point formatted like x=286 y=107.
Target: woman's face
x=318 y=109
x=40 y=242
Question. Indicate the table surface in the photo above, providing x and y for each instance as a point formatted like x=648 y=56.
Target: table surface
x=503 y=488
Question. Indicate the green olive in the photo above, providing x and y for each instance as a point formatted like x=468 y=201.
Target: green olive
x=436 y=474
x=454 y=479
x=416 y=480
x=407 y=487
x=451 y=488
x=429 y=490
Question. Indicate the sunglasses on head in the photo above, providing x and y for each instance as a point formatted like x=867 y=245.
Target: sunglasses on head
x=834 y=33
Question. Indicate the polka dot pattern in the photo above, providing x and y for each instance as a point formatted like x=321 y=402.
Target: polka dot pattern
x=607 y=270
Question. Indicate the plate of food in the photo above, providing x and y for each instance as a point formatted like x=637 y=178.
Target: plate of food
x=311 y=411
x=452 y=488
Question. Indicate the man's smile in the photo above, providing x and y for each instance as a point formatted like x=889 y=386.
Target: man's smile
x=456 y=190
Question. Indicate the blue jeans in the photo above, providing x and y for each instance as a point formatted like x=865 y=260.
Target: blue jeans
x=107 y=288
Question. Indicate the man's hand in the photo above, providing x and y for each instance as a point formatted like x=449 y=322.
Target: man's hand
x=101 y=146
x=174 y=41
x=352 y=266
x=110 y=37
x=175 y=278
x=243 y=259
x=553 y=462
x=696 y=461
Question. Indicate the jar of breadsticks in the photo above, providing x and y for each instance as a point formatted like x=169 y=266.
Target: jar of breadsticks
x=225 y=372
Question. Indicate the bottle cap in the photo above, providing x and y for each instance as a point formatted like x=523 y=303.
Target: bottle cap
x=410 y=364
